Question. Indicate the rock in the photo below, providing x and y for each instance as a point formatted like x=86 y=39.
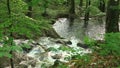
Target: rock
x=27 y=63
x=17 y=59
x=50 y=33
x=22 y=66
x=82 y=45
x=61 y=15
x=99 y=42
x=24 y=42
x=59 y=42
x=63 y=42
x=68 y=42
x=56 y=64
x=57 y=56
x=4 y=62
x=35 y=51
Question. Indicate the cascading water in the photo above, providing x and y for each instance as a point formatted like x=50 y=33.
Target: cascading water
x=95 y=28
x=47 y=50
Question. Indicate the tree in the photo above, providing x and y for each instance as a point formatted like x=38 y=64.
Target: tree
x=71 y=11
x=112 y=16
x=81 y=3
x=15 y=24
x=11 y=42
x=102 y=5
x=86 y=19
x=67 y=2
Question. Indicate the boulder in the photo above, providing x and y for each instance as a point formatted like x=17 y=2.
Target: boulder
x=85 y=46
x=50 y=33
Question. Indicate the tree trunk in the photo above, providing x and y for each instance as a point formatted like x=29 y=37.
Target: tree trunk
x=72 y=12
x=29 y=13
x=86 y=19
x=81 y=3
x=67 y=2
x=112 y=16
x=102 y=5
x=9 y=13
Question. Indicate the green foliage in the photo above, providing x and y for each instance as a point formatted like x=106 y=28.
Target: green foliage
x=52 y=49
x=34 y=2
x=17 y=25
x=25 y=45
x=112 y=44
x=21 y=24
x=86 y=58
x=81 y=60
x=18 y=6
x=6 y=47
x=61 y=65
x=4 y=51
x=118 y=67
x=110 y=47
x=89 y=41
x=94 y=10
x=66 y=48
x=9 y=45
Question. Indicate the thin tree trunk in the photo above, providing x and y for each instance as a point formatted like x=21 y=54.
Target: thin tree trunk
x=29 y=14
x=72 y=12
x=8 y=7
x=81 y=3
x=86 y=19
x=112 y=16
x=80 y=7
x=9 y=13
x=102 y=5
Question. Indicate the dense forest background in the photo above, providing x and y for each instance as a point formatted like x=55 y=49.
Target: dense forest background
x=32 y=19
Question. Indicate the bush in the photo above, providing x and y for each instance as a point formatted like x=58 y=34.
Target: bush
x=111 y=45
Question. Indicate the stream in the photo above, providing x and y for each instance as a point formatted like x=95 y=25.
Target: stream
x=46 y=50
x=94 y=30
x=73 y=35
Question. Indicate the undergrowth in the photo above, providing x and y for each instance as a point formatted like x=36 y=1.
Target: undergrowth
x=104 y=55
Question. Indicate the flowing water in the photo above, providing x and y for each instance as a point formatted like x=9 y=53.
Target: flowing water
x=94 y=30
x=47 y=51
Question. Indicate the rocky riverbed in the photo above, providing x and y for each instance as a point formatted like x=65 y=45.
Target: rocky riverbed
x=45 y=51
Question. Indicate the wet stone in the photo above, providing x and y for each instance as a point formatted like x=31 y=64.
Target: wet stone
x=85 y=46
x=69 y=42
